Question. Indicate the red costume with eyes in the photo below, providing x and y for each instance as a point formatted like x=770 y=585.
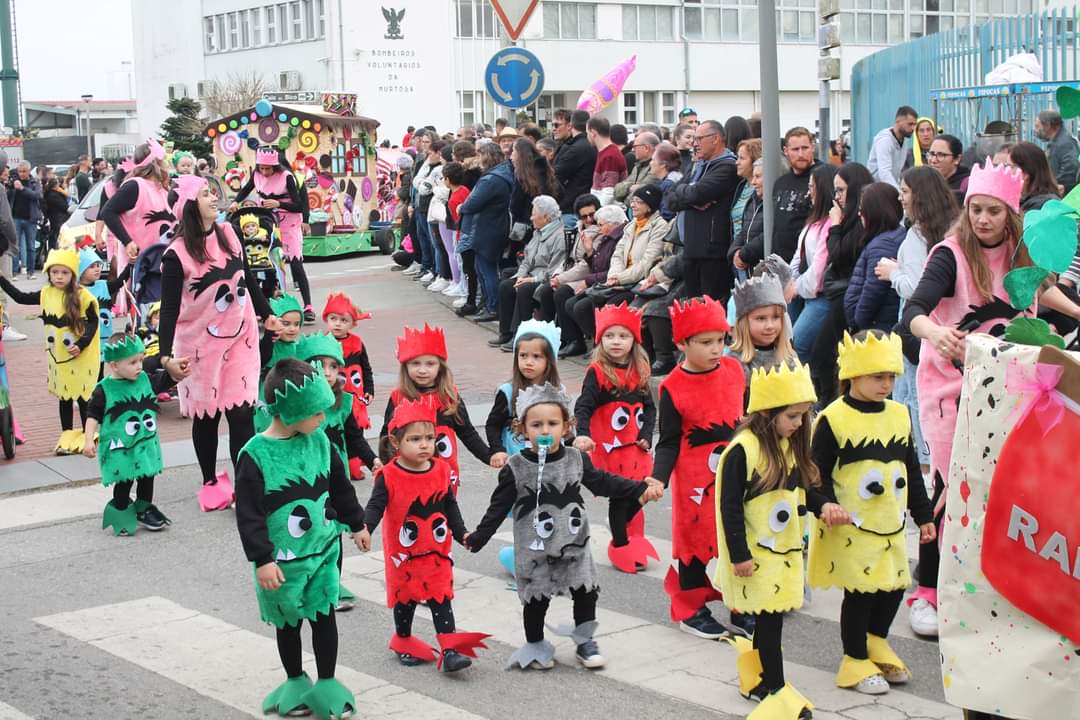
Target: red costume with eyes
x=446 y=442
x=416 y=535
x=352 y=348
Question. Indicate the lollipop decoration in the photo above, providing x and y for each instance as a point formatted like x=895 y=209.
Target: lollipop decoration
x=268 y=130
x=604 y=91
x=263 y=108
x=308 y=142
x=230 y=143
x=367 y=189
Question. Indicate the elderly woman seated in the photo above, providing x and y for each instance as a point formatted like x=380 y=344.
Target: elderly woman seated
x=544 y=256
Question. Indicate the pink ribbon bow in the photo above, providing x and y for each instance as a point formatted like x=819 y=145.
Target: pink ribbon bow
x=1041 y=393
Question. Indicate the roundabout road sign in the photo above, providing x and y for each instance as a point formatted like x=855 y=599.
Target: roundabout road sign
x=514 y=77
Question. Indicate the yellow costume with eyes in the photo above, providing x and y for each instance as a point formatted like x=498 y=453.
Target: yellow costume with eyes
x=774 y=534
x=70 y=378
x=870 y=480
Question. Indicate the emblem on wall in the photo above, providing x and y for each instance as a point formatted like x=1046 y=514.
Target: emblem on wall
x=393 y=23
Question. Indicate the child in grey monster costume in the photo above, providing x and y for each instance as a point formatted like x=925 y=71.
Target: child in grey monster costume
x=542 y=485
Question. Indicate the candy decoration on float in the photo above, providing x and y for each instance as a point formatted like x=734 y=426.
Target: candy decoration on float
x=268 y=130
x=604 y=91
x=230 y=143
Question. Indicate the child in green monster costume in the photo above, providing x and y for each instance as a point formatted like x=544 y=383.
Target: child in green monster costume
x=124 y=407
x=293 y=499
x=278 y=346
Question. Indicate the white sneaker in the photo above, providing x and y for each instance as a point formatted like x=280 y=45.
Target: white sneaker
x=923 y=618
x=873 y=685
x=439 y=285
x=427 y=277
x=456 y=290
x=12 y=335
x=413 y=269
x=460 y=302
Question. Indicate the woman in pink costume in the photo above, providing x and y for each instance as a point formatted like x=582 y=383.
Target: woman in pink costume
x=209 y=308
x=962 y=291
x=275 y=187
x=138 y=213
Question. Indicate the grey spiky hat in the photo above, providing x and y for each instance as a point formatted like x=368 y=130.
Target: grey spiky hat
x=758 y=292
x=539 y=395
x=777 y=266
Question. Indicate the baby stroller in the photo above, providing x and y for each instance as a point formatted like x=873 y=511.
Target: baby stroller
x=263 y=252
x=9 y=432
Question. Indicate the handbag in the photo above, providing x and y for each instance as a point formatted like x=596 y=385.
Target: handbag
x=651 y=292
x=600 y=294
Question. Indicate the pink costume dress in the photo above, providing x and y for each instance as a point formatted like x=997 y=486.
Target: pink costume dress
x=217 y=329
x=275 y=187
x=939 y=382
x=149 y=221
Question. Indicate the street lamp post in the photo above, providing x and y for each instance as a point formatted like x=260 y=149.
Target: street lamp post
x=86 y=101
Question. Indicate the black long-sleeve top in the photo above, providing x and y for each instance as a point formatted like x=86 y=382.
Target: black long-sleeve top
x=498 y=419
x=34 y=298
x=119 y=202
x=114 y=285
x=826 y=450
x=593 y=396
x=289 y=201
x=598 y=482
x=460 y=422
x=172 y=289
x=251 y=512
x=356 y=445
x=376 y=505
x=95 y=409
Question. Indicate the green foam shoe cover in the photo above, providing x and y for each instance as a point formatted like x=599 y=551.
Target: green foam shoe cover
x=121 y=521
x=288 y=696
x=345 y=594
x=329 y=699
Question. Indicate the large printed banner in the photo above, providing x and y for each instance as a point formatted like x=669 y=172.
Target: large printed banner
x=1009 y=588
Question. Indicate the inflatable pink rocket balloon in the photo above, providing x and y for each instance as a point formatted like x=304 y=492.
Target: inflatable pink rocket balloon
x=604 y=91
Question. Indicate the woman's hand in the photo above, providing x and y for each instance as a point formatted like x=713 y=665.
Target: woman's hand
x=498 y=460
x=132 y=250
x=836 y=214
x=885 y=268
x=648 y=282
x=927 y=533
x=272 y=204
x=738 y=261
x=584 y=444
x=232 y=207
x=522 y=280
x=555 y=281
x=178 y=368
x=743 y=569
x=948 y=341
x=273 y=324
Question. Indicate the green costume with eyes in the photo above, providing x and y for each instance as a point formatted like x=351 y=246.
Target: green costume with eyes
x=128 y=447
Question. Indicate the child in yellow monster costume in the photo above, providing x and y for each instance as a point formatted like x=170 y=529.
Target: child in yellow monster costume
x=863 y=448
x=765 y=480
x=70 y=314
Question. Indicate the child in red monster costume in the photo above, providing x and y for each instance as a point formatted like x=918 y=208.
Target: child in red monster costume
x=700 y=403
x=413 y=494
x=341 y=316
x=422 y=354
x=615 y=418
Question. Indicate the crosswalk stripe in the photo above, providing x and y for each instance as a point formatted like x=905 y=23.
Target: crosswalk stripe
x=824 y=604
x=9 y=713
x=678 y=666
x=22 y=510
x=226 y=663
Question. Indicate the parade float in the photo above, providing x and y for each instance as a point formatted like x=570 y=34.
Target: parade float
x=332 y=151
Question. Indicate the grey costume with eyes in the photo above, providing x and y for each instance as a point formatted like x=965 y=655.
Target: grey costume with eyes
x=552 y=565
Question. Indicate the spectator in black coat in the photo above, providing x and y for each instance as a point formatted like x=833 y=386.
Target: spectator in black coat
x=791 y=194
x=575 y=160
x=56 y=210
x=870 y=303
x=703 y=202
x=748 y=249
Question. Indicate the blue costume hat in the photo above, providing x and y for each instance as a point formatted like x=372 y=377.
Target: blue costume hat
x=547 y=330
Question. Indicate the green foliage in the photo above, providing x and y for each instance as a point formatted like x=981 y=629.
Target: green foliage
x=185 y=127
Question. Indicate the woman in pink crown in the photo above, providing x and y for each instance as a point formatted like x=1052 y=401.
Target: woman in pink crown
x=276 y=188
x=210 y=306
x=962 y=291
x=138 y=214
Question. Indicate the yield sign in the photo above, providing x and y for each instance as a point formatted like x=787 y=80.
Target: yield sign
x=513 y=14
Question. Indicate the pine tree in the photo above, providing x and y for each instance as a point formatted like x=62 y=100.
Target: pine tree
x=185 y=127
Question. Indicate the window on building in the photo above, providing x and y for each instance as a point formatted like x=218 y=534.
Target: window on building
x=245 y=28
x=297 y=20
x=466 y=107
x=219 y=32
x=271 y=27
x=631 y=102
x=737 y=20
x=309 y=18
x=234 y=31
x=320 y=18
x=569 y=21
x=476 y=18
x=256 y=27
x=210 y=42
x=283 y=23
x=648 y=22
x=667 y=108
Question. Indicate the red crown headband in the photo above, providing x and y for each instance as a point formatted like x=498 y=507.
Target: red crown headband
x=429 y=341
x=696 y=316
x=411 y=411
x=621 y=315
x=340 y=304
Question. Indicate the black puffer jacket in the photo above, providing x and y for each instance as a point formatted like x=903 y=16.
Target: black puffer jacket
x=750 y=242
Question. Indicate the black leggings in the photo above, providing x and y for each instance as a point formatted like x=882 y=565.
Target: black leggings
x=468 y=266
x=620 y=513
x=767 y=635
x=121 y=492
x=515 y=304
x=657 y=333
x=535 y=611
x=862 y=613
x=324 y=644
x=67 y=413
x=299 y=276
x=204 y=436
x=929 y=553
x=692 y=575
x=442 y=615
x=567 y=314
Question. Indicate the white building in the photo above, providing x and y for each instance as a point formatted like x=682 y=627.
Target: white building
x=701 y=53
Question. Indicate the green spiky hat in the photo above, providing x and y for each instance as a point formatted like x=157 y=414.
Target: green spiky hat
x=125 y=348
x=319 y=345
x=287 y=304
x=295 y=402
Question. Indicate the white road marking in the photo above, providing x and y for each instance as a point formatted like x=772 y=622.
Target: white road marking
x=226 y=663
x=49 y=507
x=9 y=713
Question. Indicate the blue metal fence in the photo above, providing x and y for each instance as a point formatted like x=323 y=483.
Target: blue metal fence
x=908 y=74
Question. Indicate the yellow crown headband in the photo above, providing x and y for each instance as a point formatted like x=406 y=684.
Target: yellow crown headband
x=780 y=386
x=870 y=356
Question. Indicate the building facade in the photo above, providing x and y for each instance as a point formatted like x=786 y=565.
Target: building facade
x=422 y=61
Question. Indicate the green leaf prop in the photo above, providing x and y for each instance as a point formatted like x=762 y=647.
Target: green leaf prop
x=1021 y=285
x=1050 y=235
x=1073 y=199
x=1068 y=101
x=1032 y=331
